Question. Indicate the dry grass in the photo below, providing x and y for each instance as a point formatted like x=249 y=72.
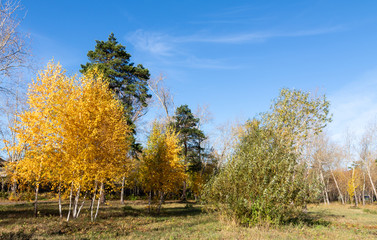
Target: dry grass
x=180 y=221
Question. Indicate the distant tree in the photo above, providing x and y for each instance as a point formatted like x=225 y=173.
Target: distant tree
x=163 y=95
x=353 y=184
x=11 y=107
x=161 y=168
x=127 y=81
x=13 y=47
x=368 y=154
x=191 y=138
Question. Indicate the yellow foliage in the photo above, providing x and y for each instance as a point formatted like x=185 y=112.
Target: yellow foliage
x=161 y=167
x=74 y=132
x=196 y=182
x=353 y=184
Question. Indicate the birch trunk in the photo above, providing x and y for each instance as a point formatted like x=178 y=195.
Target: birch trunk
x=82 y=204
x=150 y=201
x=363 y=193
x=36 y=201
x=325 y=195
x=74 y=213
x=93 y=199
x=337 y=187
x=371 y=183
x=162 y=196
x=70 y=202
x=99 y=200
x=122 y=191
x=60 y=201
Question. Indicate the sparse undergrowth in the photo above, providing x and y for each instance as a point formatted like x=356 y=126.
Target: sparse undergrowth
x=179 y=221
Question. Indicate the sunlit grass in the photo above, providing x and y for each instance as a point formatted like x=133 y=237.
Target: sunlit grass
x=180 y=221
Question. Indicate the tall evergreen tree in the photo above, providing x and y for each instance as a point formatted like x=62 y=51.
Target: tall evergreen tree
x=127 y=81
x=191 y=138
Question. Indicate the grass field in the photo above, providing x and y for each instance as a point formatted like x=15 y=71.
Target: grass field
x=179 y=221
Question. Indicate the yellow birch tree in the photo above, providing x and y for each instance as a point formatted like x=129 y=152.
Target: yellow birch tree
x=162 y=169
x=74 y=134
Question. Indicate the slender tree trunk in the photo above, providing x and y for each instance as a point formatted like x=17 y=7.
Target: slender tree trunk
x=82 y=204
x=93 y=199
x=371 y=196
x=14 y=187
x=60 y=201
x=102 y=196
x=99 y=200
x=371 y=183
x=353 y=186
x=337 y=187
x=122 y=191
x=325 y=195
x=150 y=201
x=36 y=200
x=2 y=184
x=184 y=196
x=162 y=196
x=70 y=202
x=76 y=202
x=363 y=193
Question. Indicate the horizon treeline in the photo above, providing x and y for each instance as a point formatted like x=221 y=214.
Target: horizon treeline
x=75 y=138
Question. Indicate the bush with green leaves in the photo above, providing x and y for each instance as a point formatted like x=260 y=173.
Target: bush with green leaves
x=268 y=177
x=263 y=182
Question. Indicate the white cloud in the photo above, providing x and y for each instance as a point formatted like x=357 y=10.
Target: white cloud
x=255 y=36
x=162 y=44
x=152 y=42
x=354 y=107
x=173 y=50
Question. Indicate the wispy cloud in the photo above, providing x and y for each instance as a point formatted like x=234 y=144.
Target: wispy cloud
x=176 y=50
x=354 y=107
x=163 y=44
x=170 y=51
x=153 y=42
x=255 y=36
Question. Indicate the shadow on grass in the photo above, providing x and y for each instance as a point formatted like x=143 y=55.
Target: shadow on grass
x=312 y=219
x=188 y=210
x=20 y=234
x=26 y=210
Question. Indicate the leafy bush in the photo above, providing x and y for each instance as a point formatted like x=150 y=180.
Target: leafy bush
x=262 y=183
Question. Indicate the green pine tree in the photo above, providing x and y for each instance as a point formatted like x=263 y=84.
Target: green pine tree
x=127 y=81
x=191 y=138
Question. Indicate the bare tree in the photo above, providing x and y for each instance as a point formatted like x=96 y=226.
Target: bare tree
x=11 y=107
x=226 y=137
x=368 y=154
x=320 y=157
x=335 y=163
x=162 y=93
x=13 y=47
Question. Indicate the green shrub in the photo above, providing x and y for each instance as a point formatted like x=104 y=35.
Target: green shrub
x=262 y=183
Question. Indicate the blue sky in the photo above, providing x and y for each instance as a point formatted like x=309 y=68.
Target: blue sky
x=233 y=56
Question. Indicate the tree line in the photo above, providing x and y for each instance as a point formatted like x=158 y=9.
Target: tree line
x=77 y=137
